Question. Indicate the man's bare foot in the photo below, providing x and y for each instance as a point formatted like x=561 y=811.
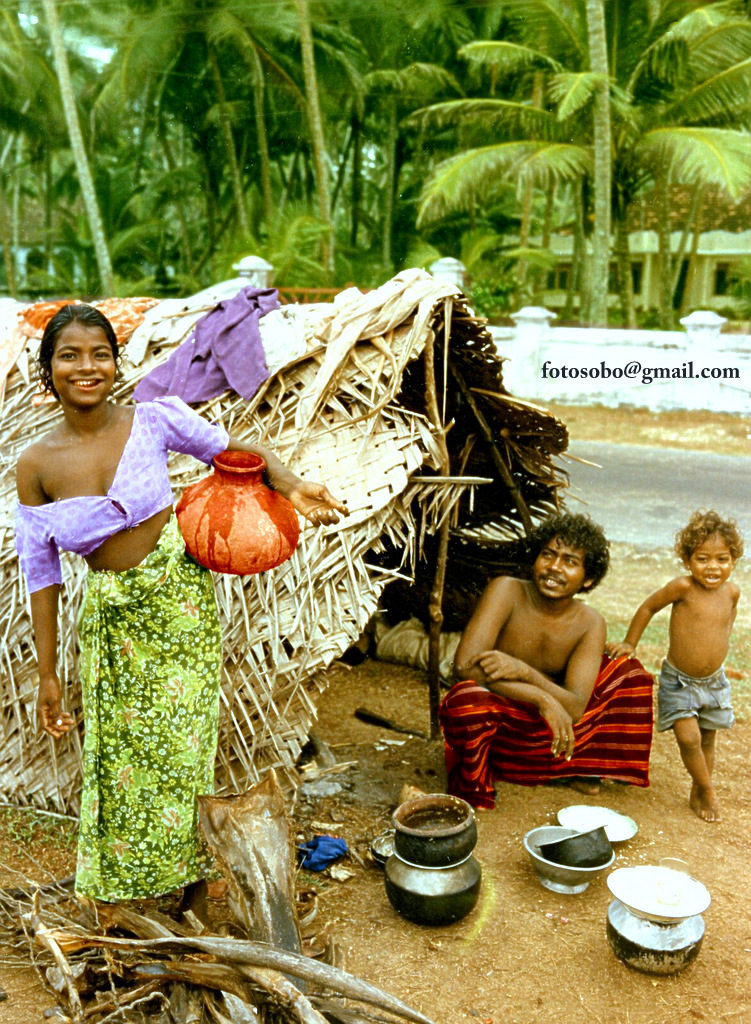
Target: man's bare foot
x=588 y=784
x=704 y=803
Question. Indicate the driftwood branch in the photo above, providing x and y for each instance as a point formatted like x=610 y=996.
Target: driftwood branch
x=247 y=953
x=249 y=837
x=46 y=940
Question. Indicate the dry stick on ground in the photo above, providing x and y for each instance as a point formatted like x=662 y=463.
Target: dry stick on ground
x=45 y=939
x=274 y=988
x=241 y=952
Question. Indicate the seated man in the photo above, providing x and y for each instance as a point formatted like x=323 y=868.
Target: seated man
x=539 y=700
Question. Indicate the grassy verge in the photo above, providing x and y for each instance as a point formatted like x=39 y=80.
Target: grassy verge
x=691 y=430
x=35 y=845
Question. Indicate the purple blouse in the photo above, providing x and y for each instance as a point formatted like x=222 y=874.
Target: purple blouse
x=140 y=489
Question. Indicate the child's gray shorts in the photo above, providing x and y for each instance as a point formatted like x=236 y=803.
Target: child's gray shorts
x=682 y=696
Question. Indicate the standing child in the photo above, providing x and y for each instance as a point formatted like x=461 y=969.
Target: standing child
x=693 y=697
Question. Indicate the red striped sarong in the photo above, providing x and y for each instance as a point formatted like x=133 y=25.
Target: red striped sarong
x=490 y=737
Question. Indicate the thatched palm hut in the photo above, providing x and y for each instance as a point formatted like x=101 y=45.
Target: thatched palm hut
x=395 y=400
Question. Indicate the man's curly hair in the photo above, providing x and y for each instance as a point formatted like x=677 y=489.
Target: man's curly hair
x=74 y=312
x=702 y=525
x=577 y=531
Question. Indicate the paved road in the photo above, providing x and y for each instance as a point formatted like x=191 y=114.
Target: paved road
x=644 y=495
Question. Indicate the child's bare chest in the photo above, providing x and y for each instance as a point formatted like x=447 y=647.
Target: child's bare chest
x=705 y=610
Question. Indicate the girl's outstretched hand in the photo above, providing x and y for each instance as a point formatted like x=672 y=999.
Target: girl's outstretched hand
x=317 y=504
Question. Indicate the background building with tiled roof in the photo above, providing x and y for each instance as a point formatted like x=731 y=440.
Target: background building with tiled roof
x=714 y=237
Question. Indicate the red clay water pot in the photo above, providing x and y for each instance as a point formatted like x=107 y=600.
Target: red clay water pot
x=233 y=523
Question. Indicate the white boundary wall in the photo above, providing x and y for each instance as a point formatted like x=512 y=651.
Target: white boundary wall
x=699 y=368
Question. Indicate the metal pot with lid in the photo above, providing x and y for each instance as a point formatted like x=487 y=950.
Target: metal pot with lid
x=654 y=924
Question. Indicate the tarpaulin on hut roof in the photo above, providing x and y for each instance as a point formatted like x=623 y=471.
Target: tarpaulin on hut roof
x=358 y=393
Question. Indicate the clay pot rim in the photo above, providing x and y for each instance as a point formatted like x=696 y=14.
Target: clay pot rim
x=238 y=463
x=428 y=802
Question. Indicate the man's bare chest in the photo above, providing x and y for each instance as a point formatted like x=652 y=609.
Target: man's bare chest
x=544 y=645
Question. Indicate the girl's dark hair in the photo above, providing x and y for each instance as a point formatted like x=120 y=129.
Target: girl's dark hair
x=88 y=316
x=703 y=525
x=577 y=531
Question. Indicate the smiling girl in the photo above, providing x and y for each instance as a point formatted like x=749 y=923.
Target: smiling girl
x=150 y=645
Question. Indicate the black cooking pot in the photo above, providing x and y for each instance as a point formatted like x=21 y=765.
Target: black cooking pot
x=651 y=947
x=583 y=850
x=435 y=830
x=433 y=896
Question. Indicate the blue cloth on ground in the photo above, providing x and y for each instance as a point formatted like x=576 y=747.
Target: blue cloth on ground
x=318 y=853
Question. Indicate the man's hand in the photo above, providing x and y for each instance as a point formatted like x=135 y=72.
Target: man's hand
x=615 y=650
x=561 y=726
x=498 y=667
x=317 y=504
x=51 y=718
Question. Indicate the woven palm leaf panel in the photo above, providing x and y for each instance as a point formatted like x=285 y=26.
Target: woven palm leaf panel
x=350 y=410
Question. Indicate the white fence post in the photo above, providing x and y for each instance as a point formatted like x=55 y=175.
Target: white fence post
x=703 y=328
x=450 y=270
x=258 y=272
x=522 y=373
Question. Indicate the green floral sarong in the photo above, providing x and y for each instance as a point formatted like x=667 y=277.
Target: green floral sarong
x=150 y=661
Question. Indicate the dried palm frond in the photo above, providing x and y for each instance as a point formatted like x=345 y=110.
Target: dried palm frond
x=351 y=412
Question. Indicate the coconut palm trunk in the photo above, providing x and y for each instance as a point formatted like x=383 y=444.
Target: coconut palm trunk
x=390 y=183
x=664 y=241
x=229 y=146
x=317 y=139
x=598 y=62
x=85 y=179
x=259 y=93
x=625 y=280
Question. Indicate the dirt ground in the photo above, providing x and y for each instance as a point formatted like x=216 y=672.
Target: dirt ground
x=524 y=955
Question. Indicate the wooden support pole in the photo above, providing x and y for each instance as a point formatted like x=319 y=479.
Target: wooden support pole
x=436 y=592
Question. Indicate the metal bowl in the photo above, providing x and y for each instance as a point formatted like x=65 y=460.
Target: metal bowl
x=559 y=877
x=659 y=894
x=382 y=847
x=582 y=850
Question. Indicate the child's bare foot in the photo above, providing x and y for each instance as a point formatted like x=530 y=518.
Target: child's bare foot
x=588 y=784
x=704 y=803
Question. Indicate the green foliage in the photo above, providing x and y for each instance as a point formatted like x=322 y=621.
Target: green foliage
x=24 y=827
x=446 y=124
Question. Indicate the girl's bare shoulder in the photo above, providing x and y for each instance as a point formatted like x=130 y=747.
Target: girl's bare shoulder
x=30 y=465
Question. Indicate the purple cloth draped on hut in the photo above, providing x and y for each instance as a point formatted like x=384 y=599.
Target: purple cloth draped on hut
x=224 y=351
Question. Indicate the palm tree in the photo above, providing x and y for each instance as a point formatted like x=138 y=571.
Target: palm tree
x=171 y=65
x=318 y=141
x=598 y=65
x=86 y=181
x=680 y=90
